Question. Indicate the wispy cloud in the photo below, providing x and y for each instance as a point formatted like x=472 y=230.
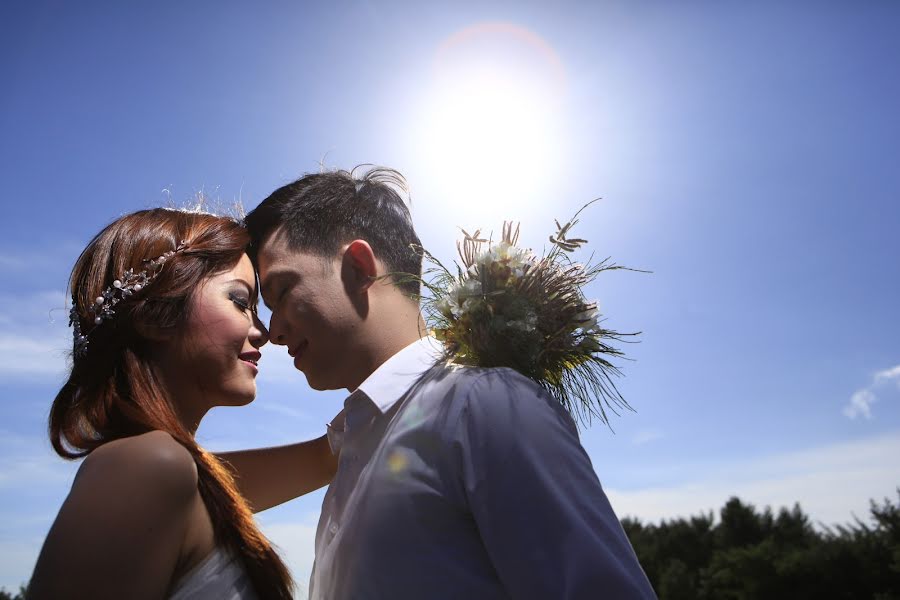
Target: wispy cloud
x=50 y=258
x=892 y=374
x=281 y=409
x=35 y=338
x=646 y=436
x=296 y=543
x=31 y=357
x=277 y=366
x=29 y=462
x=831 y=483
x=860 y=404
x=33 y=483
x=37 y=310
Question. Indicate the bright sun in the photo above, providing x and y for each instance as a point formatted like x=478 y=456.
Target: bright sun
x=490 y=133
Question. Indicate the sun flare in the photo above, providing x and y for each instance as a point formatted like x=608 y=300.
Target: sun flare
x=490 y=134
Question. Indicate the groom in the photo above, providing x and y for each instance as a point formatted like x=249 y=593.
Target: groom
x=452 y=482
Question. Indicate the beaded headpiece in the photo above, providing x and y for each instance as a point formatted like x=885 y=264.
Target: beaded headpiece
x=104 y=306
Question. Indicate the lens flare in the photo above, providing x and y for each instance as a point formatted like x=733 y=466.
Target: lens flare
x=490 y=136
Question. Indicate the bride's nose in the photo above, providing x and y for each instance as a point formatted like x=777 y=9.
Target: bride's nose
x=259 y=335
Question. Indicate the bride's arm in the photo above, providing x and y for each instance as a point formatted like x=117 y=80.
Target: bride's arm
x=120 y=531
x=267 y=477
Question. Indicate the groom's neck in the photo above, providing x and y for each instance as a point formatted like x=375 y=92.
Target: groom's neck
x=386 y=335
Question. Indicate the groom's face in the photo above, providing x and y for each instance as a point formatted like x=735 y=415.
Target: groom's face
x=312 y=314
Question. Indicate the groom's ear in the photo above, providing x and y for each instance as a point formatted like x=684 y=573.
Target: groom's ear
x=360 y=267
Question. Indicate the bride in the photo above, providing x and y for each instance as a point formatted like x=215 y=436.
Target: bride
x=165 y=328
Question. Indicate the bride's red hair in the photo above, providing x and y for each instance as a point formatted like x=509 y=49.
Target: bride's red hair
x=113 y=390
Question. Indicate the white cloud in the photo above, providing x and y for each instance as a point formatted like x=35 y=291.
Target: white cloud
x=35 y=338
x=831 y=483
x=888 y=375
x=61 y=255
x=29 y=462
x=277 y=366
x=282 y=409
x=296 y=543
x=862 y=400
x=860 y=404
x=33 y=483
x=33 y=471
x=646 y=436
x=25 y=356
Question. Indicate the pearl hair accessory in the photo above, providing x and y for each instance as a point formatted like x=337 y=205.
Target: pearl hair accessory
x=104 y=306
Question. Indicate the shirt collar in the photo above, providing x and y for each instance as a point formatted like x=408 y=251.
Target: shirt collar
x=389 y=382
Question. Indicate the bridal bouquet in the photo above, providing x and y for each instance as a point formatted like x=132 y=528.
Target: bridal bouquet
x=507 y=307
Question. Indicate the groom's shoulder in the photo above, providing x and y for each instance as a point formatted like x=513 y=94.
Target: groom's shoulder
x=491 y=377
x=500 y=404
x=504 y=386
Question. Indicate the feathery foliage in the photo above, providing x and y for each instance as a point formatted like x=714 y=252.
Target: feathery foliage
x=506 y=307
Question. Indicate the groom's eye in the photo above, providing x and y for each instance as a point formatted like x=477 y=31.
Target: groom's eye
x=277 y=295
x=275 y=289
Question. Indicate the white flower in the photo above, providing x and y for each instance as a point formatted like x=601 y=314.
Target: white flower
x=472 y=287
x=587 y=319
x=448 y=306
x=527 y=323
x=507 y=255
x=460 y=297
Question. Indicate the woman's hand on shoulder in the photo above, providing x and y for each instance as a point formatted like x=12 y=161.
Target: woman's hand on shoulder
x=121 y=529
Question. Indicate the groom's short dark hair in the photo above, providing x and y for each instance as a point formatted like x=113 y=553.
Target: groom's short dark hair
x=321 y=211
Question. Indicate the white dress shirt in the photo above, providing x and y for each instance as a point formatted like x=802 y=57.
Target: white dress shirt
x=465 y=483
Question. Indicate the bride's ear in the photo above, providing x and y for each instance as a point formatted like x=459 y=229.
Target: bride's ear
x=359 y=266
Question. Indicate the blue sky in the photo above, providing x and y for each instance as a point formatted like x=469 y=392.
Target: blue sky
x=746 y=154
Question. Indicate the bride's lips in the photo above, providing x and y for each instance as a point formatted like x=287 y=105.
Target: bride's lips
x=251 y=358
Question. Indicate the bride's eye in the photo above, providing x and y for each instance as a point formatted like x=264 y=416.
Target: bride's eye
x=242 y=302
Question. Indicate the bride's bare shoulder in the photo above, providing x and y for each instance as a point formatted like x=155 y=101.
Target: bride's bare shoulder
x=153 y=462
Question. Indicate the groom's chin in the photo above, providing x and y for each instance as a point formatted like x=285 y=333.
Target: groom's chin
x=317 y=383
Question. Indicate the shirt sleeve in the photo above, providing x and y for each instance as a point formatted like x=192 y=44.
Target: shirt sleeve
x=540 y=510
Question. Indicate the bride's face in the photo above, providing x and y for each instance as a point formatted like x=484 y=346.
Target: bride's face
x=213 y=360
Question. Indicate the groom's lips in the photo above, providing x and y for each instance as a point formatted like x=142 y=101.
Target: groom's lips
x=297 y=351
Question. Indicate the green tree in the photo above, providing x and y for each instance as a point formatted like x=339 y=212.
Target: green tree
x=750 y=555
x=23 y=590
x=741 y=525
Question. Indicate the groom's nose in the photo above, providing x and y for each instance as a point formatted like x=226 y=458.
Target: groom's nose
x=277 y=330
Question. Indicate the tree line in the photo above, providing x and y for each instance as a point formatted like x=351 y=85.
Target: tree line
x=754 y=555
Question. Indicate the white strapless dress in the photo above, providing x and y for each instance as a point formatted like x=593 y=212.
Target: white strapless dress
x=219 y=576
